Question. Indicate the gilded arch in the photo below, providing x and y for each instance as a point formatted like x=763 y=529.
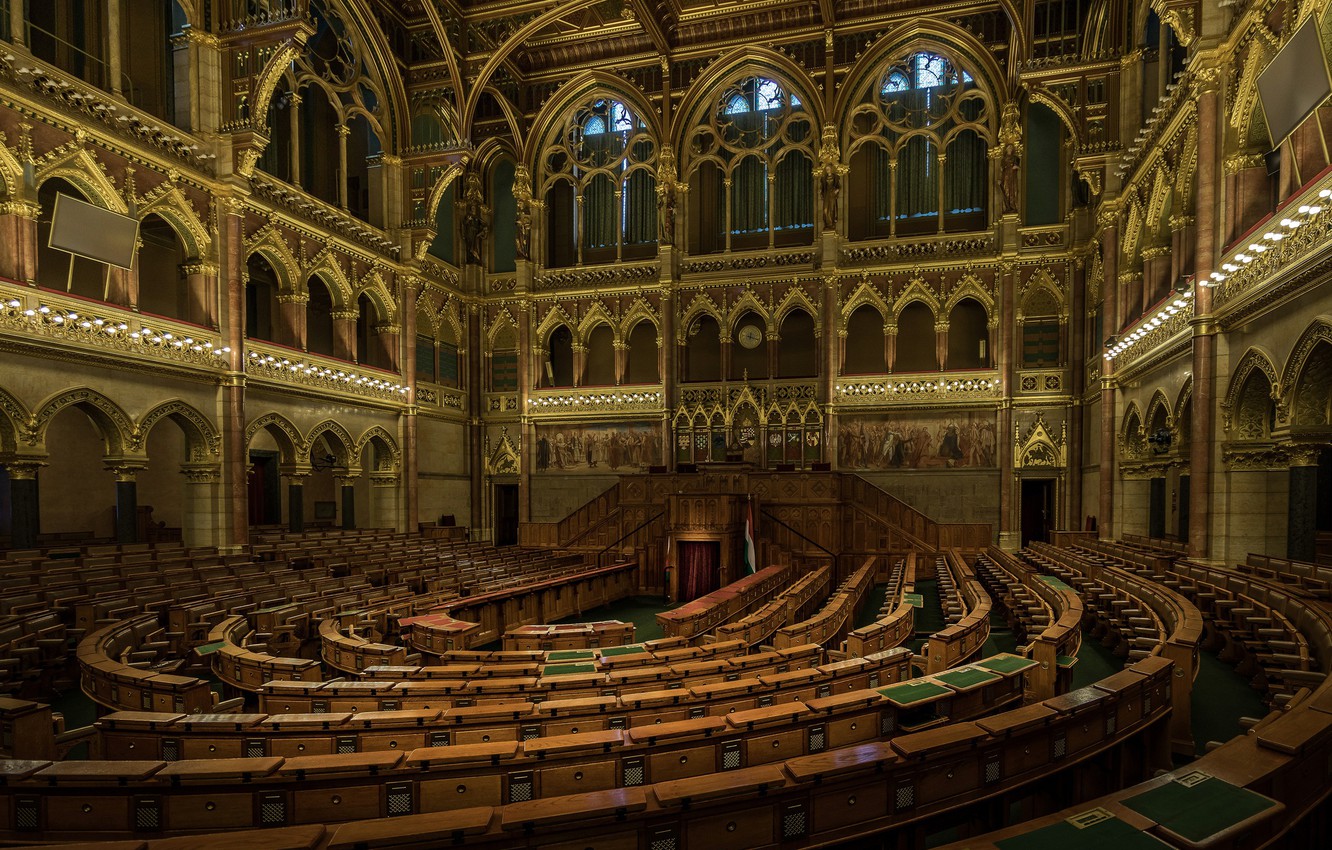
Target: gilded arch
x=759 y=61
x=918 y=290
x=170 y=204
x=291 y=445
x=1254 y=360
x=701 y=305
x=337 y=438
x=111 y=421
x=373 y=287
x=202 y=440
x=639 y=311
x=795 y=299
x=1297 y=404
x=866 y=294
x=389 y=458
x=596 y=315
x=1132 y=437
x=555 y=317
x=77 y=165
x=576 y=91
x=747 y=302
x=273 y=248
x=329 y=270
x=970 y=287
x=15 y=422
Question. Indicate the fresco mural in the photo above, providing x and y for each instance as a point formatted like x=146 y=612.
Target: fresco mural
x=626 y=447
x=965 y=439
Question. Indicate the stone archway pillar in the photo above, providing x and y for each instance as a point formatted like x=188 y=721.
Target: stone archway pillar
x=346 y=485
x=204 y=516
x=384 y=495
x=127 y=497
x=18 y=239
x=295 y=477
x=25 y=507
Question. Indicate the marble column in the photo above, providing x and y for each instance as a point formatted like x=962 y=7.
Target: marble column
x=200 y=292
x=410 y=437
x=344 y=336
x=127 y=500
x=475 y=405
x=1203 y=437
x=26 y=521
x=235 y=484
x=386 y=337
x=1009 y=534
x=295 y=477
x=291 y=316
x=1302 y=517
x=1075 y=356
x=668 y=361
x=18 y=240
x=941 y=343
x=833 y=339
x=384 y=501
x=347 y=488
x=204 y=520
x=1109 y=324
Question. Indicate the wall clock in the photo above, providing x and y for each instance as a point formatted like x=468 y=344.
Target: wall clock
x=749 y=336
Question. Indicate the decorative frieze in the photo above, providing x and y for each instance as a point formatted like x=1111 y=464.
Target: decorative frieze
x=294 y=367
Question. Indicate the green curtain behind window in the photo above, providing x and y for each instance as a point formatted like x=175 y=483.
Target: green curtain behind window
x=749 y=196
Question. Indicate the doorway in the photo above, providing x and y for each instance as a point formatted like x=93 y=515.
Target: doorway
x=1156 y=509
x=700 y=568
x=506 y=514
x=1037 y=509
x=265 y=488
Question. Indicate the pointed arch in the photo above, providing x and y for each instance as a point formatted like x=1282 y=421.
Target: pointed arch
x=1298 y=404
x=436 y=195
x=1131 y=431
x=11 y=171
x=596 y=315
x=866 y=293
x=173 y=208
x=326 y=267
x=747 y=302
x=77 y=165
x=114 y=425
x=553 y=319
x=1254 y=360
x=502 y=319
x=1063 y=111
x=390 y=455
x=795 y=299
x=15 y=422
x=639 y=311
x=701 y=305
x=761 y=61
x=1041 y=283
x=1182 y=401
x=1159 y=406
x=917 y=290
x=203 y=442
x=273 y=248
x=338 y=438
x=577 y=90
x=372 y=286
x=291 y=445
x=970 y=287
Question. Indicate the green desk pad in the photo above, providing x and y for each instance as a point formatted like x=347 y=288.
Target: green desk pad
x=1054 y=582
x=966 y=677
x=1066 y=660
x=571 y=655
x=628 y=649
x=209 y=648
x=1005 y=663
x=915 y=600
x=1109 y=834
x=567 y=669
x=1198 y=811
x=908 y=693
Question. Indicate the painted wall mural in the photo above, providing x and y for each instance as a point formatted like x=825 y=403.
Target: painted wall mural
x=965 y=439
x=626 y=447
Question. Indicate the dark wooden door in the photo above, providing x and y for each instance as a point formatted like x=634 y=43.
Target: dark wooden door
x=506 y=514
x=1037 y=509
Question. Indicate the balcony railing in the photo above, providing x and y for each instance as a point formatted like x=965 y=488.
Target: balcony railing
x=647 y=398
x=875 y=391
x=266 y=361
x=52 y=317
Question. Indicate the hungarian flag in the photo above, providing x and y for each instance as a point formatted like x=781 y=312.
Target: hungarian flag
x=751 y=560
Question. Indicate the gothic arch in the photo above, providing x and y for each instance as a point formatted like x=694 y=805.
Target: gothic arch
x=864 y=294
x=291 y=444
x=170 y=204
x=970 y=287
x=387 y=444
x=202 y=440
x=576 y=91
x=760 y=61
x=373 y=287
x=15 y=422
x=327 y=269
x=1062 y=110
x=337 y=438
x=269 y=245
x=77 y=165
x=1041 y=282
x=11 y=171
x=1159 y=406
x=747 y=302
x=1253 y=360
x=436 y=195
x=503 y=319
x=111 y=421
x=1318 y=333
x=795 y=299
x=701 y=305
x=918 y=290
x=553 y=319
x=1182 y=402
x=639 y=311
x=596 y=315
x=1131 y=431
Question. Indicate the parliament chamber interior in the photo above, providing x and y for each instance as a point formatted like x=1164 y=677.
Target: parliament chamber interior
x=665 y=424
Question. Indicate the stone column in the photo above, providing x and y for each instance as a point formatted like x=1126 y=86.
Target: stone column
x=1302 y=518
x=343 y=132
x=200 y=292
x=204 y=521
x=941 y=343
x=579 y=363
x=1075 y=355
x=235 y=484
x=889 y=346
x=295 y=477
x=527 y=430
x=18 y=238
x=384 y=500
x=25 y=508
x=475 y=405
x=621 y=350
x=1110 y=324
x=344 y=336
x=18 y=31
x=725 y=355
x=127 y=504
x=113 y=41
x=347 y=488
x=1009 y=535
x=1201 y=447
x=291 y=319
x=410 y=456
x=833 y=336
x=667 y=366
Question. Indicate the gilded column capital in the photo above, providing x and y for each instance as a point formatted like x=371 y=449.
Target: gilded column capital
x=345 y=315
x=293 y=298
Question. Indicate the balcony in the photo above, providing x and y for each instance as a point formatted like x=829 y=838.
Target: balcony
x=561 y=402
x=291 y=368
x=969 y=387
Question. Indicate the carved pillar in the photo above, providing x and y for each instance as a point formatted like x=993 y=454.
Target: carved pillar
x=890 y=346
x=291 y=319
x=524 y=391
x=579 y=364
x=1302 y=508
x=18 y=31
x=18 y=240
x=1130 y=301
x=204 y=519
x=113 y=42
x=347 y=488
x=1009 y=535
x=666 y=348
x=384 y=491
x=1155 y=276
x=831 y=337
x=1075 y=355
x=25 y=508
x=1248 y=193
x=343 y=132
x=294 y=120
x=295 y=477
x=1202 y=440
x=1109 y=320
x=410 y=437
x=621 y=360
x=386 y=337
x=773 y=339
x=127 y=505
x=235 y=484
x=475 y=404
x=725 y=356
x=200 y=292
x=941 y=344
x=344 y=336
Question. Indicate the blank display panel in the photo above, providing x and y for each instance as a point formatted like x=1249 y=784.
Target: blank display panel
x=1295 y=83
x=81 y=228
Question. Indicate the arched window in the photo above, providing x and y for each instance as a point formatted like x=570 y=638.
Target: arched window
x=968 y=336
x=442 y=246
x=261 y=304
x=916 y=350
x=600 y=186
x=642 y=365
x=162 y=289
x=758 y=136
x=703 y=350
x=504 y=360
x=319 y=319
x=1041 y=329
x=797 y=355
x=865 y=352
x=920 y=141
x=369 y=349
x=599 y=370
x=559 y=357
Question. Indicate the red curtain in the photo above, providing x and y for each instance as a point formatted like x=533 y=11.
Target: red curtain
x=700 y=566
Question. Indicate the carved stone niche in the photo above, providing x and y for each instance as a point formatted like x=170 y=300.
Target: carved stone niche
x=1038 y=449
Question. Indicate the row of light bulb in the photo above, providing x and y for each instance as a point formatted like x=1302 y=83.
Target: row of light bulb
x=1245 y=257
x=337 y=375
x=599 y=398
x=969 y=385
x=146 y=335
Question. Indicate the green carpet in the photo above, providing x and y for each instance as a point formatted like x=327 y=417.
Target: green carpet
x=642 y=611
x=1220 y=698
x=1001 y=638
x=870 y=612
x=929 y=616
x=1095 y=662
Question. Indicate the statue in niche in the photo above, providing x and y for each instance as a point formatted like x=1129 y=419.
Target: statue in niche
x=522 y=235
x=476 y=225
x=830 y=176
x=667 y=195
x=1010 y=157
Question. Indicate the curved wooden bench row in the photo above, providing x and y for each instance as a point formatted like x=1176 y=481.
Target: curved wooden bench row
x=831 y=795
x=471 y=621
x=832 y=620
x=1055 y=646
x=1161 y=621
x=706 y=613
x=790 y=605
x=514 y=686
x=896 y=622
x=348 y=652
x=108 y=675
x=966 y=636
x=1313 y=579
x=434 y=723
x=561 y=636
x=245 y=666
